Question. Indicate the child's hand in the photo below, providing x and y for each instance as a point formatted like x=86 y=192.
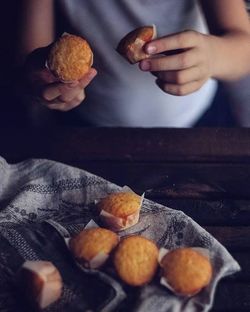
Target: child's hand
x=182 y=62
x=46 y=89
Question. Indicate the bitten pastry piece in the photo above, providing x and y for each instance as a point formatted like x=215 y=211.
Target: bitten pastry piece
x=41 y=283
x=92 y=247
x=120 y=210
x=70 y=58
x=131 y=46
x=135 y=260
x=186 y=270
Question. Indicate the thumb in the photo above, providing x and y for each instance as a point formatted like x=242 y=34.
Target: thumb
x=84 y=82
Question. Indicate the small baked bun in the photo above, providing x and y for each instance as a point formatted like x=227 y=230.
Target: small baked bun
x=131 y=46
x=186 y=271
x=92 y=247
x=136 y=260
x=41 y=283
x=120 y=210
x=70 y=58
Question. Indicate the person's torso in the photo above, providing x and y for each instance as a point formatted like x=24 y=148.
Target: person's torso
x=121 y=94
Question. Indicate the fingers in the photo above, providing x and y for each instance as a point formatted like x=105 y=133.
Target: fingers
x=181 y=62
x=66 y=92
x=181 y=76
x=62 y=96
x=180 y=90
x=178 y=61
x=66 y=106
x=36 y=80
x=46 y=87
x=183 y=40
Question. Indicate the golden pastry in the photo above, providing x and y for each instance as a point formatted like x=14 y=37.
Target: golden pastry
x=92 y=247
x=186 y=271
x=70 y=58
x=131 y=46
x=120 y=210
x=136 y=260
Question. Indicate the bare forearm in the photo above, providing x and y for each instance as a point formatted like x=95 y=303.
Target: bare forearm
x=229 y=26
x=231 y=55
x=36 y=25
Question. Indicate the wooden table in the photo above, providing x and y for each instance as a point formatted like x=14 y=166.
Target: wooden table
x=204 y=172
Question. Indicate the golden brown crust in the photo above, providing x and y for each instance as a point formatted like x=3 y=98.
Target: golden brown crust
x=70 y=58
x=131 y=46
x=186 y=270
x=135 y=260
x=121 y=204
x=91 y=242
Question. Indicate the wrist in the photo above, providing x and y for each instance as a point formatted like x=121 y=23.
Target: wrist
x=229 y=56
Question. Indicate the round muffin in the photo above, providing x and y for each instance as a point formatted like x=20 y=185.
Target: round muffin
x=70 y=58
x=91 y=247
x=186 y=270
x=120 y=210
x=131 y=46
x=135 y=260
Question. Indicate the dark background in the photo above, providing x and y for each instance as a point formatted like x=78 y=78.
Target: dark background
x=11 y=112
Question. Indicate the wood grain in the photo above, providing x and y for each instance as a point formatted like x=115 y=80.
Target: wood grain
x=203 y=172
x=131 y=144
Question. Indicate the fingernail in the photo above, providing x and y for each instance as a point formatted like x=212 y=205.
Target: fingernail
x=145 y=65
x=150 y=49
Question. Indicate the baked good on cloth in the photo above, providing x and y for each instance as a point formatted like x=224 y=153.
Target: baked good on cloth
x=92 y=247
x=136 y=260
x=70 y=58
x=41 y=283
x=121 y=210
x=131 y=46
x=186 y=271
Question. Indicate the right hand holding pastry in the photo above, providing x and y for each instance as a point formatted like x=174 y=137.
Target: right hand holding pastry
x=48 y=90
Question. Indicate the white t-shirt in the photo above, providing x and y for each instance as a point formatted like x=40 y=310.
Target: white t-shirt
x=121 y=94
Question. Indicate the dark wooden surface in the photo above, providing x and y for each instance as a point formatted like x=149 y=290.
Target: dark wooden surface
x=203 y=172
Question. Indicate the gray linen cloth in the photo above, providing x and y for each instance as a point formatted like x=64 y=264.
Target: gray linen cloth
x=42 y=202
